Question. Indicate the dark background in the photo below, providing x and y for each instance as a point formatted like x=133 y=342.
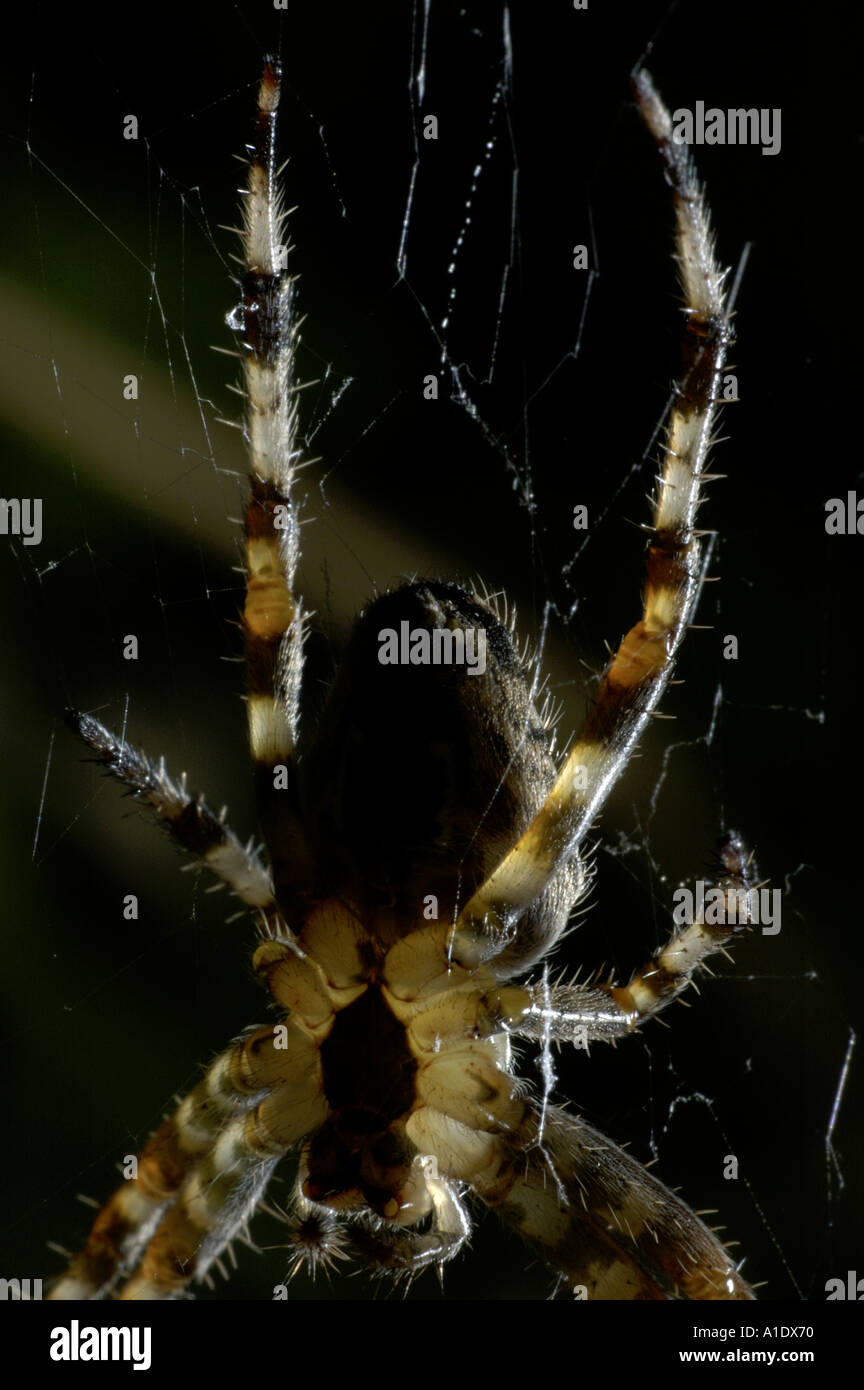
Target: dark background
x=115 y=262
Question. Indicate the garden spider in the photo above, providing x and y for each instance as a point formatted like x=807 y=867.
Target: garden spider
x=391 y=942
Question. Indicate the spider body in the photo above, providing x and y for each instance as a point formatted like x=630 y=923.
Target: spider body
x=423 y=856
x=449 y=741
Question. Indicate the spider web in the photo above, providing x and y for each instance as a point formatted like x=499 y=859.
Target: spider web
x=450 y=257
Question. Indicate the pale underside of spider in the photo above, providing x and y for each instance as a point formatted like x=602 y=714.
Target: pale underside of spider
x=393 y=943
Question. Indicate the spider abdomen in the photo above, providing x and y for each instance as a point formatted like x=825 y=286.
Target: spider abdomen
x=432 y=708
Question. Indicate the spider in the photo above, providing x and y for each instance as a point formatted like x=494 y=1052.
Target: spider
x=396 y=945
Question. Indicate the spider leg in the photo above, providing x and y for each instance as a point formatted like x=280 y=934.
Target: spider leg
x=273 y=617
x=593 y=1213
x=638 y=674
x=597 y=1216
x=583 y=1013
x=189 y=820
x=201 y=1175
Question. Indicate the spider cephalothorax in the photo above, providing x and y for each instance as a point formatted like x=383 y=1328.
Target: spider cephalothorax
x=424 y=855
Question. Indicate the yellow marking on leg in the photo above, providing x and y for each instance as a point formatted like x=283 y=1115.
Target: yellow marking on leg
x=270 y=607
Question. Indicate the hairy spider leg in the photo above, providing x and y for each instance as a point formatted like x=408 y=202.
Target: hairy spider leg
x=638 y=674
x=179 y=1169
x=605 y=1012
x=273 y=617
x=597 y=1216
x=203 y=1172
x=189 y=821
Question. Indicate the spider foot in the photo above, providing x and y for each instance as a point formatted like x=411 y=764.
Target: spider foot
x=317 y=1242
